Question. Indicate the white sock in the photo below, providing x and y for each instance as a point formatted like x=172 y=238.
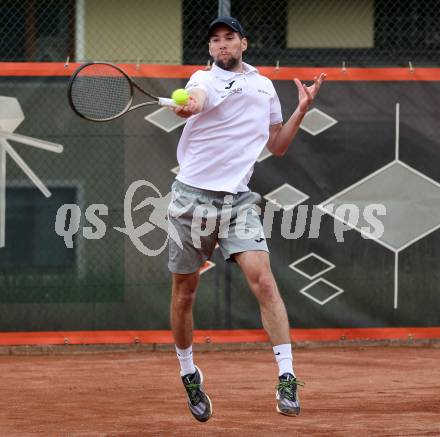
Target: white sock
x=283 y=355
x=185 y=357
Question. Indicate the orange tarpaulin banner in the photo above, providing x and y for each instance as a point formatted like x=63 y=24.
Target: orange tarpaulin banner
x=185 y=71
x=214 y=336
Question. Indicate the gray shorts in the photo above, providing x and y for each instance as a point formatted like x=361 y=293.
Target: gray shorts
x=199 y=219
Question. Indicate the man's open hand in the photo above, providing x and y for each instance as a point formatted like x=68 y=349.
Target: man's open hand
x=306 y=94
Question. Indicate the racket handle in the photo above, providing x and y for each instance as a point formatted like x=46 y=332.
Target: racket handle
x=167 y=102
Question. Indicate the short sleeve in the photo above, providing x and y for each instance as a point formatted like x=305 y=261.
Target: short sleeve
x=198 y=80
x=276 y=116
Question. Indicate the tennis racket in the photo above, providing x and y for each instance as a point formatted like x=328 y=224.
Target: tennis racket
x=100 y=91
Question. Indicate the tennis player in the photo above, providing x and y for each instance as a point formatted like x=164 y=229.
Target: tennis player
x=233 y=112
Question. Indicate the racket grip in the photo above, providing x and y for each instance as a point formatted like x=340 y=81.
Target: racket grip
x=167 y=102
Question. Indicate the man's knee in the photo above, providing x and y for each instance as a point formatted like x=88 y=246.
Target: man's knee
x=184 y=289
x=265 y=288
x=184 y=298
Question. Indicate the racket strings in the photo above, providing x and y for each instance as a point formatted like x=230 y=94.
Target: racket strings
x=100 y=92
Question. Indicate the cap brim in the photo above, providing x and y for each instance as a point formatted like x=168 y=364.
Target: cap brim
x=224 y=23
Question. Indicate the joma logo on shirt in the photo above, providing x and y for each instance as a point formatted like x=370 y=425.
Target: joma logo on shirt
x=234 y=91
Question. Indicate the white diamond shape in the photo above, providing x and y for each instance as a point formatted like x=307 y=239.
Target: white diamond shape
x=328 y=299
x=175 y=170
x=165 y=119
x=412 y=202
x=286 y=197
x=321 y=272
x=207 y=266
x=264 y=154
x=11 y=114
x=316 y=121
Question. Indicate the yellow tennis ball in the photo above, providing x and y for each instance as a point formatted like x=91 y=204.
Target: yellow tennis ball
x=180 y=96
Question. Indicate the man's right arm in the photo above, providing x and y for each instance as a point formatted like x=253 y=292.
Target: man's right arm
x=196 y=103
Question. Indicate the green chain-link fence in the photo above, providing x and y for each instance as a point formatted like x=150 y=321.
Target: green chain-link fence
x=363 y=33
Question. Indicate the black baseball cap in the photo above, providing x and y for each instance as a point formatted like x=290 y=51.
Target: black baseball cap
x=231 y=22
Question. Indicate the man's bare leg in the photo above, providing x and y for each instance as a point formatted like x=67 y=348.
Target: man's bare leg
x=181 y=315
x=182 y=301
x=256 y=268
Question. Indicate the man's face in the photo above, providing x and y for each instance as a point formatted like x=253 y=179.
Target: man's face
x=226 y=47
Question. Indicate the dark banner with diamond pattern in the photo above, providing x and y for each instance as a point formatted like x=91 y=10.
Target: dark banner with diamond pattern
x=355 y=202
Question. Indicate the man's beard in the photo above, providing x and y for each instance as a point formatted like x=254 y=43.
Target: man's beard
x=230 y=64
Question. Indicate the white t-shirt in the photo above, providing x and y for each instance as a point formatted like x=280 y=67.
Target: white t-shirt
x=219 y=146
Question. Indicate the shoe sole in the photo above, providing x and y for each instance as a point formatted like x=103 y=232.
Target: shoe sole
x=285 y=413
x=293 y=414
x=209 y=399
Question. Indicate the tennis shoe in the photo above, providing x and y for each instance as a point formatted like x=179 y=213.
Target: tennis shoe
x=198 y=401
x=287 y=396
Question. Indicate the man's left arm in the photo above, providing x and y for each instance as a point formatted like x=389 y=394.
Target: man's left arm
x=280 y=136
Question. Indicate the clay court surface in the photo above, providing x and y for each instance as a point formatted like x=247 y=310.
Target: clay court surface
x=353 y=391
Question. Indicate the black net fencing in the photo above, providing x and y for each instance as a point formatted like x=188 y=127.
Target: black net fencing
x=368 y=33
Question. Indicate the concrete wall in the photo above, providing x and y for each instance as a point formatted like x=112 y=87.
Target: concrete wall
x=330 y=23
x=129 y=30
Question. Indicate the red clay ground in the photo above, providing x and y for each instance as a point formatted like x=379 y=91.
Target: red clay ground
x=370 y=391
